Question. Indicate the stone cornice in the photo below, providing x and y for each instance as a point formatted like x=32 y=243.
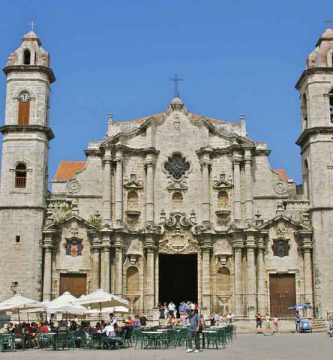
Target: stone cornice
x=5 y=129
x=313 y=131
x=30 y=68
x=308 y=72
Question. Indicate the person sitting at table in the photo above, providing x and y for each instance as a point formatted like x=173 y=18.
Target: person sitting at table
x=136 y=321
x=170 y=321
x=143 y=320
x=183 y=318
x=110 y=331
x=43 y=328
x=97 y=329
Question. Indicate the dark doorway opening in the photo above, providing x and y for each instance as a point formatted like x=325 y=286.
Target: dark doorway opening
x=178 y=278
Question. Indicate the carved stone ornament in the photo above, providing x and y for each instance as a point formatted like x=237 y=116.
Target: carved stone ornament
x=74 y=230
x=280 y=187
x=178 y=242
x=74 y=247
x=178 y=220
x=133 y=182
x=222 y=183
x=281 y=247
x=73 y=186
x=177 y=186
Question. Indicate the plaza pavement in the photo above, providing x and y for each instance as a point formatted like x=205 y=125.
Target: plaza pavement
x=257 y=347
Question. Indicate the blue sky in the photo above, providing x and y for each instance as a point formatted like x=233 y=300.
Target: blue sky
x=118 y=56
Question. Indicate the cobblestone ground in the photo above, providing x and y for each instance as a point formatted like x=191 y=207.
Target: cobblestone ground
x=256 y=347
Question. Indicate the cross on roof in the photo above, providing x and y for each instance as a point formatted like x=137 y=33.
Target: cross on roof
x=176 y=79
x=32 y=24
x=328 y=23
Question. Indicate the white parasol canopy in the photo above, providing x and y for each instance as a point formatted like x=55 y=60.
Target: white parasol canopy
x=108 y=310
x=101 y=298
x=65 y=303
x=19 y=302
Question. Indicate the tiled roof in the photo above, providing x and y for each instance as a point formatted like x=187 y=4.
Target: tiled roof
x=282 y=174
x=143 y=119
x=67 y=169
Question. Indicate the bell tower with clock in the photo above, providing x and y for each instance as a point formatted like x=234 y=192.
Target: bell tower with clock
x=26 y=135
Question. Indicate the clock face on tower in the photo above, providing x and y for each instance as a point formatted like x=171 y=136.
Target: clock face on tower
x=24 y=97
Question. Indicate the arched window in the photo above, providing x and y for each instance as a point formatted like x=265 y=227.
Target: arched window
x=26 y=57
x=304 y=108
x=132 y=200
x=24 y=108
x=331 y=105
x=132 y=283
x=20 y=175
x=177 y=200
x=222 y=199
x=223 y=281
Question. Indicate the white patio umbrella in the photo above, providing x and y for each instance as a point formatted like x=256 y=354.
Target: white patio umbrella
x=19 y=302
x=100 y=298
x=65 y=303
x=108 y=310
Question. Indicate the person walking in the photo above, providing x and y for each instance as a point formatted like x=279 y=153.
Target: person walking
x=259 y=323
x=276 y=324
x=194 y=321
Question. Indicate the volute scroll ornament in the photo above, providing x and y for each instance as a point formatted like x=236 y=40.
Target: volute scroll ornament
x=133 y=182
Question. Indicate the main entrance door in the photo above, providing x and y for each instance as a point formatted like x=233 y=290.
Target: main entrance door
x=282 y=294
x=76 y=284
x=178 y=275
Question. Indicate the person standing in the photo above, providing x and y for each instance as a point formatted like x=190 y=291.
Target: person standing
x=298 y=320
x=171 y=308
x=276 y=324
x=194 y=321
x=259 y=323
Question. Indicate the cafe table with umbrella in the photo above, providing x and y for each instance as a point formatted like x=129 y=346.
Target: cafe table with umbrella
x=19 y=303
x=101 y=299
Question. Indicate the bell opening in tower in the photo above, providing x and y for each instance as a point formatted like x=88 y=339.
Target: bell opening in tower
x=178 y=278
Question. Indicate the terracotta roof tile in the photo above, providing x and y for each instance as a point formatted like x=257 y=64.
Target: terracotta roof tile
x=67 y=169
x=210 y=120
x=143 y=119
x=282 y=174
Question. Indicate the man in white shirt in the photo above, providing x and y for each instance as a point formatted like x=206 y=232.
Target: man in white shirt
x=171 y=308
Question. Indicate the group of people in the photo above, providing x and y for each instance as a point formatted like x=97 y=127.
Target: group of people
x=217 y=319
x=34 y=330
x=267 y=321
x=167 y=309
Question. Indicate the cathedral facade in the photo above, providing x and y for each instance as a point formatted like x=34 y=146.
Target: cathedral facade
x=172 y=206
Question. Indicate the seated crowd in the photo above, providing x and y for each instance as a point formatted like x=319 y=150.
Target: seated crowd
x=33 y=331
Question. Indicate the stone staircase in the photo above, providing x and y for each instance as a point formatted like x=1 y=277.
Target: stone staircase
x=319 y=325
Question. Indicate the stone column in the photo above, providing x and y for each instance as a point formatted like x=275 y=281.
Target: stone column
x=251 y=276
x=205 y=165
x=238 y=249
x=119 y=187
x=105 y=263
x=237 y=187
x=47 y=280
x=96 y=260
x=308 y=281
x=149 y=162
x=206 y=293
x=150 y=294
x=261 y=271
x=248 y=185
x=107 y=188
x=118 y=259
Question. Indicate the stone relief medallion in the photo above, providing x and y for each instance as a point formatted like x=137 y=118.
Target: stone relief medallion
x=73 y=186
x=178 y=243
x=280 y=188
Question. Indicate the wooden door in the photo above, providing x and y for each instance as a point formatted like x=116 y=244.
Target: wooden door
x=24 y=113
x=76 y=284
x=282 y=294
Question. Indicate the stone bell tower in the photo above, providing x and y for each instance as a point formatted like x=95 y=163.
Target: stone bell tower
x=26 y=136
x=316 y=141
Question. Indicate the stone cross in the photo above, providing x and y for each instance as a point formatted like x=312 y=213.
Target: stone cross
x=176 y=79
x=32 y=24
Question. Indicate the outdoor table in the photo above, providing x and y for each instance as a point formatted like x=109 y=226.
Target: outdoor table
x=152 y=336
x=204 y=335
